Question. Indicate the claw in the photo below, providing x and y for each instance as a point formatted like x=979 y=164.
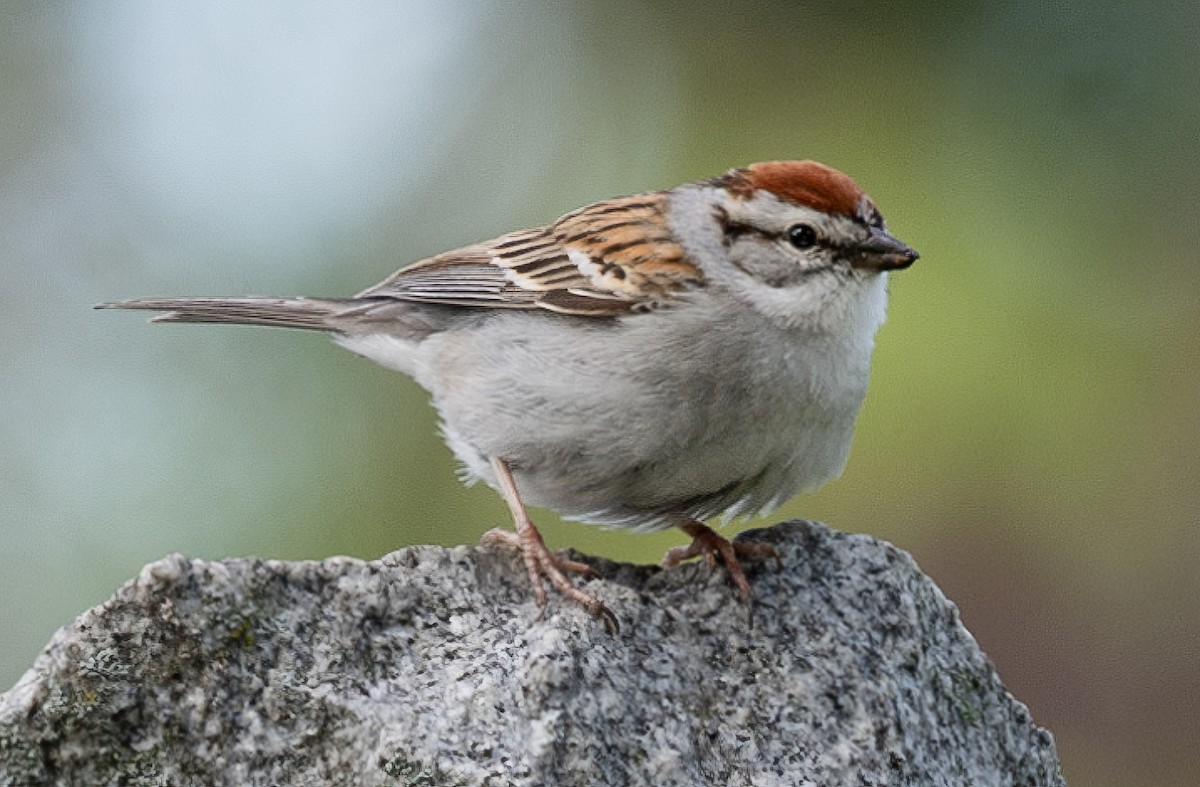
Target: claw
x=709 y=543
x=540 y=562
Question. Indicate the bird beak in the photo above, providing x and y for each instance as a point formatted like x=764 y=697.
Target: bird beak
x=882 y=252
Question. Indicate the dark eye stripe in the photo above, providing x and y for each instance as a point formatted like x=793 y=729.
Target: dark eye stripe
x=733 y=229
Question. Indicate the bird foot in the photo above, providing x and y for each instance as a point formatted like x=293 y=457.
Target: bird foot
x=542 y=563
x=539 y=560
x=709 y=543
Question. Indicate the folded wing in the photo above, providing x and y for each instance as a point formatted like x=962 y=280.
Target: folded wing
x=604 y=259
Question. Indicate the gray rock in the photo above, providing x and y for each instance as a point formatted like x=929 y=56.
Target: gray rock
x=433 y=667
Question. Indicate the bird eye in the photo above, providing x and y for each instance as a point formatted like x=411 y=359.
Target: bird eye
x=802 y=236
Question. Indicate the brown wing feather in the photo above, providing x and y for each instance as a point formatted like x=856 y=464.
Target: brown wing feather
x=604 y=259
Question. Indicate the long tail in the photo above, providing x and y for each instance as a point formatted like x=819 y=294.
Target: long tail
x=314 y=314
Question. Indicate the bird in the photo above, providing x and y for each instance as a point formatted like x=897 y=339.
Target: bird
x=650 y=361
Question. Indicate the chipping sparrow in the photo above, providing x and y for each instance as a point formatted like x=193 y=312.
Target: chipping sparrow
x=647 y=361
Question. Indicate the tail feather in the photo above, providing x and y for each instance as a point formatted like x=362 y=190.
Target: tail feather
x=305 y=313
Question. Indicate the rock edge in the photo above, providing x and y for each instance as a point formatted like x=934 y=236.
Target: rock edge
x=432 y=666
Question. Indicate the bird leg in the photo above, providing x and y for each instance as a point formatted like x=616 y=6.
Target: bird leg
x=539 y=560
x=710 y=543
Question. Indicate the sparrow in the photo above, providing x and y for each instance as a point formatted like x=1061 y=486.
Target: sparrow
x=649 y=361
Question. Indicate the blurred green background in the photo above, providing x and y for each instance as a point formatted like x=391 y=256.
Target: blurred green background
x=1032 y=429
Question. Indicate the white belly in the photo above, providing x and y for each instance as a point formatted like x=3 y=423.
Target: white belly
x=735 y=423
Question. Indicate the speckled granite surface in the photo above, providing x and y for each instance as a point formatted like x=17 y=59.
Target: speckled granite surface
x=433 y=667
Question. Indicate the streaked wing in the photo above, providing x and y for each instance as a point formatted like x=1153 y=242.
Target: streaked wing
x=603 y=259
